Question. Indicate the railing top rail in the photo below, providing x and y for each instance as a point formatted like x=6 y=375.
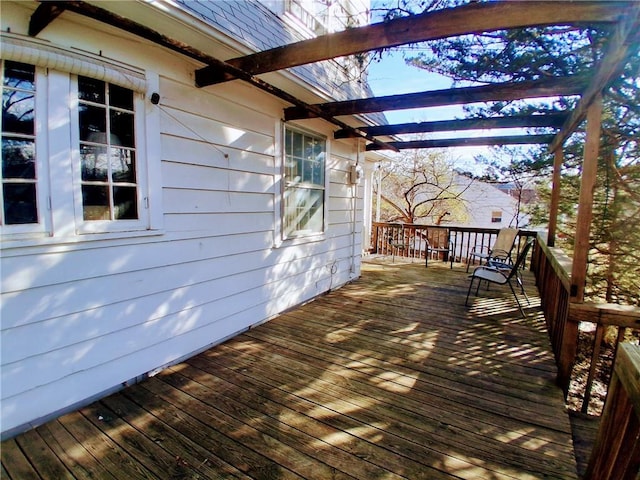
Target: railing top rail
x=453 y=228
x=606 y=314
x=560 y=262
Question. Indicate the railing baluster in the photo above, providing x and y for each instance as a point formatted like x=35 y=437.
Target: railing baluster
x=597 y=343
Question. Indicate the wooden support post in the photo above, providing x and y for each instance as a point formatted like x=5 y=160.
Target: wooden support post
x=558 y=160
x=569 y=335
x=585 y=204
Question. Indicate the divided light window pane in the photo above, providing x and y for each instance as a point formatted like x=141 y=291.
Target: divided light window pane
x=19 y=176
x=304 y=195
x=107 y=151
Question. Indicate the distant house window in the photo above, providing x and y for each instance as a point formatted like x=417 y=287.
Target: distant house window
x=313 y=14
x=304 y=184
x=107 y=151
x=496 y=216
x=19 y=173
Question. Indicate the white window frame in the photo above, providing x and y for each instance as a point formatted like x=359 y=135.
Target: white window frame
x=58 y=149
x=43 y=225
x=303 y=236
x=105 y=226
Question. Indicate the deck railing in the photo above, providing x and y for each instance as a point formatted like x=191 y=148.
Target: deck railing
x=408 y=240
x=616 y=453
x=617 y=450
x=551 y=267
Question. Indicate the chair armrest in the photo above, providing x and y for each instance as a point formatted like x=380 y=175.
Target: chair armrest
x=489 y=273
x=480 y=249
x=498 y=265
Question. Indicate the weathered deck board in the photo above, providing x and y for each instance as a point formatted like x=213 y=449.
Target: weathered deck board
x=389 y=377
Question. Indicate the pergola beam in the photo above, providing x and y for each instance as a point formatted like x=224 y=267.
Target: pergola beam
x=468 y=142
x=554 y=120
x=554 y=206
x=548 y=87
x=466 y=19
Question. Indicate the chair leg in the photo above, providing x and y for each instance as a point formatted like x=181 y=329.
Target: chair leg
x=517 y=301
x=519 y=280
x=466 y=302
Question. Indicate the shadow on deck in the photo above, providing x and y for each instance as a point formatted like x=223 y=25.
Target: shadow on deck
x=388 y=377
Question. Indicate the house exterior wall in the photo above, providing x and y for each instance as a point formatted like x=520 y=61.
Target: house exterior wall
x=485 y=204
x=84 y=314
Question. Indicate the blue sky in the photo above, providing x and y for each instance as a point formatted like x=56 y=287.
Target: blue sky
x=392 y=76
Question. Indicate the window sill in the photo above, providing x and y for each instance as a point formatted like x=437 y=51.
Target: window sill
x=301 y=240
x=9 y=243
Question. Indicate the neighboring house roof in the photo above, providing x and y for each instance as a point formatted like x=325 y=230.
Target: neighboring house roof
x=250 y=22
x=527 y=194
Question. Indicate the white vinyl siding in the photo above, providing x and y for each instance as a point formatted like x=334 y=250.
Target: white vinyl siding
x=84 y=314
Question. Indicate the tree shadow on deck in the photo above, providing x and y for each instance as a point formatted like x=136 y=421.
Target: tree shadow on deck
x=388 y=377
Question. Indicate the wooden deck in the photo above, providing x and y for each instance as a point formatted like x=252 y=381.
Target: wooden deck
x=389 y=377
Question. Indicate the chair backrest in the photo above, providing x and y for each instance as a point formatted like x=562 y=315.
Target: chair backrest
x=521 y=258
x=506 y=239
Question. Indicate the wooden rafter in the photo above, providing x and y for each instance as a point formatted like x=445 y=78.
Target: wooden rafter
x=109 y=18
x=468 y=142
x=43 y=16
x=552 y=120
x=548 y=87
x=467 y=19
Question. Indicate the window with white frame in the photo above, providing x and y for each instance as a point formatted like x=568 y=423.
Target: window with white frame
x=496 y=216
x=304 y=183
x=312 y=14
x=107 y=151
x=19 y=173
x=97 y=154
